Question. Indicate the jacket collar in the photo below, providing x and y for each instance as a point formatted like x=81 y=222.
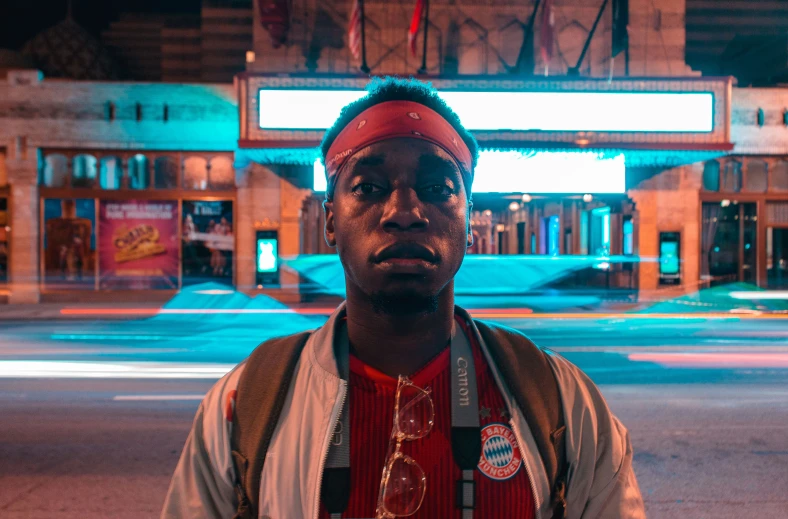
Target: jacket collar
x=320 y=345
x=321 y=342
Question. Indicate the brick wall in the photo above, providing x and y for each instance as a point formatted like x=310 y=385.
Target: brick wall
x=475 y=37
x=226 y=36
x=669 y=202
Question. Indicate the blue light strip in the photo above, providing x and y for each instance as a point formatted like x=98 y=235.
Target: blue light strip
x=672 y=112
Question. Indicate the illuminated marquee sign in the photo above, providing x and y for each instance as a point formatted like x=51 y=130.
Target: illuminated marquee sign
x=539 y=172
x=651 y=112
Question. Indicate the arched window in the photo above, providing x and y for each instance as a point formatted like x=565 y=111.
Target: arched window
x=83 y=171
x=757 y=176
x=165 y=173
x=711 y=176
x=221 y=174
x=55 y=171
x=195 y=173
x=111 y=176
x=731 y=177
x=139 y=172
x=780 y=176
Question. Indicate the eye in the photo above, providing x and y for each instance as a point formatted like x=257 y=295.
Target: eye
x=365 y=188
x=439 y=190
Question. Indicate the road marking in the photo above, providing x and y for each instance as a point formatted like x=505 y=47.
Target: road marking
x=126 y=398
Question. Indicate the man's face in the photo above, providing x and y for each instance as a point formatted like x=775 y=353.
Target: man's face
x=399 y=220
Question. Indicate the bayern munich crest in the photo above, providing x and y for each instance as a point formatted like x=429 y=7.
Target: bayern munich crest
x=501 y=458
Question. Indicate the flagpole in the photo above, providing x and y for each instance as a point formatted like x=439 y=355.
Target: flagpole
x=364 y=67
x=423 y=69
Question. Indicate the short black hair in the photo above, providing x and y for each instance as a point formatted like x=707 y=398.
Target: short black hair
x=391 y=88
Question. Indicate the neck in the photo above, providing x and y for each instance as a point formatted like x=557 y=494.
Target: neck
x=398 y=344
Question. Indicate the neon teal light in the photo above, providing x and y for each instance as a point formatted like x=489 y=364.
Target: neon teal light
x=677 y=112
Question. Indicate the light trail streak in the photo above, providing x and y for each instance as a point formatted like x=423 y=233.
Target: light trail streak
x=105 y=370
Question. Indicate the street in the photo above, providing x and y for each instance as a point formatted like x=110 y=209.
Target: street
x=95 y=413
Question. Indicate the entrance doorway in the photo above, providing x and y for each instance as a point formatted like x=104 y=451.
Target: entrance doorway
x=550 y=236
x=777 y=257
x=729 y=242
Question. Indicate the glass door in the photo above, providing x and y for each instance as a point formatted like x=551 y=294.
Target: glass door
x=777 y=257
x=729 y=242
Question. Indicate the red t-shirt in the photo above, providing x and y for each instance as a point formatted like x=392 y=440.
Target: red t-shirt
x=502 y=486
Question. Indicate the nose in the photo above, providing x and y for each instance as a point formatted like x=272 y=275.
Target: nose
x=404 y=211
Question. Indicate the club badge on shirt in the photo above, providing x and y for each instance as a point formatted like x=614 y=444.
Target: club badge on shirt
x=501 y=458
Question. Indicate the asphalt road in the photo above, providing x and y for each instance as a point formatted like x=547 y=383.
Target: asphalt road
x=94 y=414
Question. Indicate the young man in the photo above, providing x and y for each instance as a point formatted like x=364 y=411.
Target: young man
x=435 y=425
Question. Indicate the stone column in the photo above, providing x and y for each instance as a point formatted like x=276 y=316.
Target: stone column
x=22 y=170
x=292 y=199
x=244 y=230
x=647 y=239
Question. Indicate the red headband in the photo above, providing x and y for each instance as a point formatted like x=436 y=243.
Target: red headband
x=397 y=119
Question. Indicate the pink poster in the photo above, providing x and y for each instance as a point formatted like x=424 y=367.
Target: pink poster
x=138 y=244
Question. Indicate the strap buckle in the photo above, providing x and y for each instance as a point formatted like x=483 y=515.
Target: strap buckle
x=466 y=495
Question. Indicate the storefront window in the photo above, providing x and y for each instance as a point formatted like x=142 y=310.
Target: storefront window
x=138 y=244
x=83 y=171
x=731 y=177
x=729 y=233
x=207 y=242
x=139 y=172
x=600 y=232
x=780 y=176
x=165 y=173
x=55 y=171
x=221 y=174
x=195 y=173
x=711 y=176
x=777 y=257
x=69 y=243
x=111 y=173
x=757 y=176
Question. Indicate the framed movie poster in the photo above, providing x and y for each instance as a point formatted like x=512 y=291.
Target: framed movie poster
x=69 y=243
x=138 y=244
x=208 y=243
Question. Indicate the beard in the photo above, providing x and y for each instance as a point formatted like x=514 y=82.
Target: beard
x=404 y=303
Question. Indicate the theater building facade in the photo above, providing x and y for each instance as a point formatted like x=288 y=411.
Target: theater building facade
x=136 y=190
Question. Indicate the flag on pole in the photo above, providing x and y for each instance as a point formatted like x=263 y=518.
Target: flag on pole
x=546 y=41
x=620 y=23
x=354 y=30
x=415 y=22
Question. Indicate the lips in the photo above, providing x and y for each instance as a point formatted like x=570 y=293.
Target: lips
x=405 y=251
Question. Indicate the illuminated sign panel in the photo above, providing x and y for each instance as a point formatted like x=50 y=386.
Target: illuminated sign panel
x=537 y=172
x=676 y=112
x=267 y=255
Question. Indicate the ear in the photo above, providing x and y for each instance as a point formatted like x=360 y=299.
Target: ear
x=469 y=229
x=328 y=231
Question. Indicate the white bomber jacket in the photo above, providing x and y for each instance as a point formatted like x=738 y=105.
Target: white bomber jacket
x=601 y=482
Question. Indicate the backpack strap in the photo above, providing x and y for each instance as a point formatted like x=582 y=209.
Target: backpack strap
x=261 y=394
x=531 y=380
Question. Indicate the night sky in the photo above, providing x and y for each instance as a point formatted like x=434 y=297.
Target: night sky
x=20 y=20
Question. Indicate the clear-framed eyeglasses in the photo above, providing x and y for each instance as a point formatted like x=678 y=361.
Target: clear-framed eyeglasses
x=403 y=484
